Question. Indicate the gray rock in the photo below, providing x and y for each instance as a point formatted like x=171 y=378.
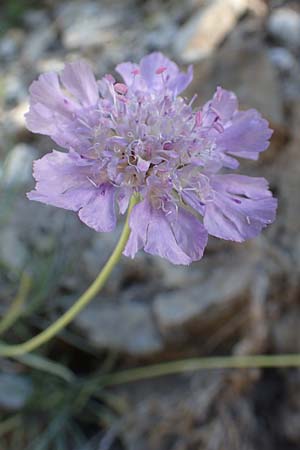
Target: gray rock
x=285 y=333
x=10 y=44
x=13 y=124
x=205 y=304
x=35 y=18
x=88 y=24
x=234 y=67
x=284 y=26
x=207 y=29
x=14 y=392
x=17 y=169
x=13 y=252
x=8 y=48
x=14 y=88
x=126 y=327
x=282 y=59
x=37 y=43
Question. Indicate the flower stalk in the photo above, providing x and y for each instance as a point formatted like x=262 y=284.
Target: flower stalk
x=82 y=302
x=203 y=363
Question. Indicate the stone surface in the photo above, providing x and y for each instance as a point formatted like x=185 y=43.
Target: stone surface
x=125 y=327
x=205 y=305
x=286 y=332
x=234 y=67
x=284 y=26
x=282 y=59
x=15 y=391
x=87 y=25
x=208 y=28
x=13 y=254
x=17 y=168
x=38 y=43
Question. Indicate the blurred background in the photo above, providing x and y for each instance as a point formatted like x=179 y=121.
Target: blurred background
x=240 y=299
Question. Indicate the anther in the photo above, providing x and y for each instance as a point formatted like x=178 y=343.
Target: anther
x=121 y=88
x=160 y=70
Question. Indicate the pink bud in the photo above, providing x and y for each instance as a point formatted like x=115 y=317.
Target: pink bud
x=121 y=88
x=160 y=70
x=168 y=146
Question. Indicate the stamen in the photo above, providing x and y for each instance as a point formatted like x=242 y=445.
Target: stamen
x=198 y=118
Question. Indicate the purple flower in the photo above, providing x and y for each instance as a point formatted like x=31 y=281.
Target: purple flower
x=140 y=137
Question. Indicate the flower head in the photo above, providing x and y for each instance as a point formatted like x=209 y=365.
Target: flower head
x=140 y=137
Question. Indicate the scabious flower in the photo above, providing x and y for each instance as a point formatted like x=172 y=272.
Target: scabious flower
x=140 y=137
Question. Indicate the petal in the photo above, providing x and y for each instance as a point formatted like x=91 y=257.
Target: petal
x=166 y=234
x=145 y=76
x=151 y=63
x=99 y=212
x=224 y=103
x=62 y=181
x=123 y=198
x=79 y=80
x=48 y=105
x=240 y=207
x=189 y=233
x=138 y=221
x=128 y=72
x=246 y=136
x=174 y=79
x=181 y=82
x=62 y=113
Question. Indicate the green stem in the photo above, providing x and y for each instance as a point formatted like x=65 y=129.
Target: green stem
x=16 y=307
x=89 y=294
x=196 y=364
x=46 y=365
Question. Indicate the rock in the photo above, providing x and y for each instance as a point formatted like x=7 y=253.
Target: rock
x=15 y=391
x=14 y=87
x=125 y=327
x=234 y=67
x=35 y=18
x=284 y=26
x=177 y=413
x=208 y=28
x=10 y=44
x=205 y=306
x=13 y=253
x=282 y=59
x=37 y=43
x=17 y=170
x=161 y=33
x=290 y=410
x=285 y=333
x=14 y=125
x=178 y=277
x=88 y=24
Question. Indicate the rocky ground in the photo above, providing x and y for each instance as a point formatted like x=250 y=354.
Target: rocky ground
x=240 y=299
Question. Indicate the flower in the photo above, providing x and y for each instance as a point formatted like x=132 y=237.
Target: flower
x=139 y=136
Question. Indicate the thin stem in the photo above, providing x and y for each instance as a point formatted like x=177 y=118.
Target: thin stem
x=89 y=294
x=16 y=307
x=196 y=364
x=46 y=365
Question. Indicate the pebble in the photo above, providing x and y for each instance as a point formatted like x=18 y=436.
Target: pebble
x=204 y=31
x=284 y=26
x=17 y=168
